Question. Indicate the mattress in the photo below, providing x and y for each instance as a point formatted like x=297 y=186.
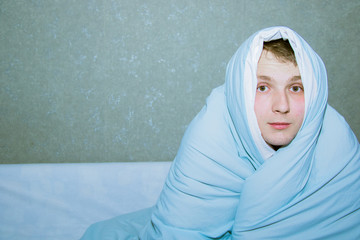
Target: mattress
x=60 y=201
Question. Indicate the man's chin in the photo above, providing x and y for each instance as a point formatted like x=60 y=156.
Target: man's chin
x=276 y=144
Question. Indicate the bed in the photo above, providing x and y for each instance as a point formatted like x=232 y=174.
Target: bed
x=60 y=201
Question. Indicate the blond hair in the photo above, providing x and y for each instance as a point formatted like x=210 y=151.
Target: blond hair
x=281 y=49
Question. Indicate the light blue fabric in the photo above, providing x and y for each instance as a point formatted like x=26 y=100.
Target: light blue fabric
x=126 y=226
x=225 y=184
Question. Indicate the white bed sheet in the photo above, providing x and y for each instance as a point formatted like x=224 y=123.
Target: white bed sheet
x=60 y=201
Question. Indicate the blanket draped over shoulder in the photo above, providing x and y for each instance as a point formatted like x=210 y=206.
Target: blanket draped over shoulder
x=225 y=182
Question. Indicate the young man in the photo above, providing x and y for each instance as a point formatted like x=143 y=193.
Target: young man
x=266 y=158
x=279 y=101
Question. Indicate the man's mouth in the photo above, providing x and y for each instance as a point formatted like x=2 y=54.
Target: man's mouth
x=279 y=125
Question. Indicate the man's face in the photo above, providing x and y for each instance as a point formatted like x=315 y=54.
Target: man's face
x=279 y=101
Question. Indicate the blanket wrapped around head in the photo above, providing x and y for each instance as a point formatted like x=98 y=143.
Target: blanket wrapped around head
x=227 y=183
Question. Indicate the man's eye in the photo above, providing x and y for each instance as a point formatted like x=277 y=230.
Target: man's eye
x=262 y=88
x=296 y=89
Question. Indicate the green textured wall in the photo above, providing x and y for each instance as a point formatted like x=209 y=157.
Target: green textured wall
x=93 y=81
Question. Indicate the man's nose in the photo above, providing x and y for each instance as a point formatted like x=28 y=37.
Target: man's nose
x=281 y=103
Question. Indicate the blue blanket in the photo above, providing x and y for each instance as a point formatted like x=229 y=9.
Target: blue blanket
x=227 y=183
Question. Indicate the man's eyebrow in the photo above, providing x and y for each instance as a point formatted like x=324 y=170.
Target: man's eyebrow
x=296 y=78
x=263 y=77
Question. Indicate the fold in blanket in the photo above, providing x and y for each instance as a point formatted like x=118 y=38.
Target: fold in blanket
x=227 y=183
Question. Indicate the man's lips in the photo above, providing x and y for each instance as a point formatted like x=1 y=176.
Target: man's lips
x=279 y=125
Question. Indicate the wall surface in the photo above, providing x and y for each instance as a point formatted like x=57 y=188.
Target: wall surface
x=106 y=80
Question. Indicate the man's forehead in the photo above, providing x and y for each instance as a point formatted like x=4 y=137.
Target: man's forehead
x=267 y=58
x=270 y=68
x=269 y=78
